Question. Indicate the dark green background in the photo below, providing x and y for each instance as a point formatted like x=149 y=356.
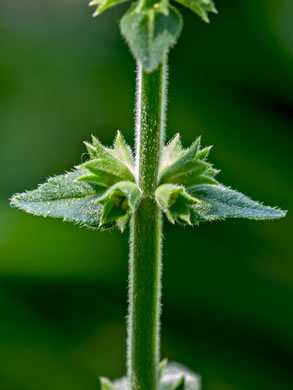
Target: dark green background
x=228 y=287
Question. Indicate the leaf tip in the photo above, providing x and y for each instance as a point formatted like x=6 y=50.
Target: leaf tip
x=106 y=384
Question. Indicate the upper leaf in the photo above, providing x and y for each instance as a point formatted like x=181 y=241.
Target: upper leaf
x=63 y=197
x=220 y=202
x=150 y=31
x=201 y=7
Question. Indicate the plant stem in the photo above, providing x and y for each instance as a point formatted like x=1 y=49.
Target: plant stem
x=146 y=234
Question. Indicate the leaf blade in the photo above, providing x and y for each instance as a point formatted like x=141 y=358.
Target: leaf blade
x=227 y=203
x=65 y=198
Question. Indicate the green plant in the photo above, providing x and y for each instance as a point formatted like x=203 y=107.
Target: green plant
x=112 y=188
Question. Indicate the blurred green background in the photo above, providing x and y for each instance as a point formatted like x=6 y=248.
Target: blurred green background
x=227 y=287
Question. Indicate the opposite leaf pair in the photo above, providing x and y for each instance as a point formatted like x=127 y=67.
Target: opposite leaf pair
x=102 y=193
x=152 y=27
x=113 y=168
x=173 y=376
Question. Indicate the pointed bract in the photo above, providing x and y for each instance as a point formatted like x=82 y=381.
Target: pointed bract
x=108 y=166
x=102 y=5
x=171 y=152
x=106 y=384
x=186 y=167
x=108 y=171
x=200 y=7
x=91 y=150
x=123 y=151
x=203 y=153
x=179 y=165
x=162 y=365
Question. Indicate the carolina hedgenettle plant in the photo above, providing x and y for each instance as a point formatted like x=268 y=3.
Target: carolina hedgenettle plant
x=116 y=186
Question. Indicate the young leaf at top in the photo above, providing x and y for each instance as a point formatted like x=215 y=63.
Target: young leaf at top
x=102 y=5
x=150 y=31
x=201 y=7
x=63 y=197
x=220 y=202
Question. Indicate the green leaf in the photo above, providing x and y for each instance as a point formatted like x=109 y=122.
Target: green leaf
x=150 y=32
x=220 y=202
x=201 y=7
x=175 y=377
x=63 y=197
x=119 y=202
x=175 y=202
x=104 y=4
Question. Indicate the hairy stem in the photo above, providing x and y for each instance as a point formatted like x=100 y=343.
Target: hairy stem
x=146 y=234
